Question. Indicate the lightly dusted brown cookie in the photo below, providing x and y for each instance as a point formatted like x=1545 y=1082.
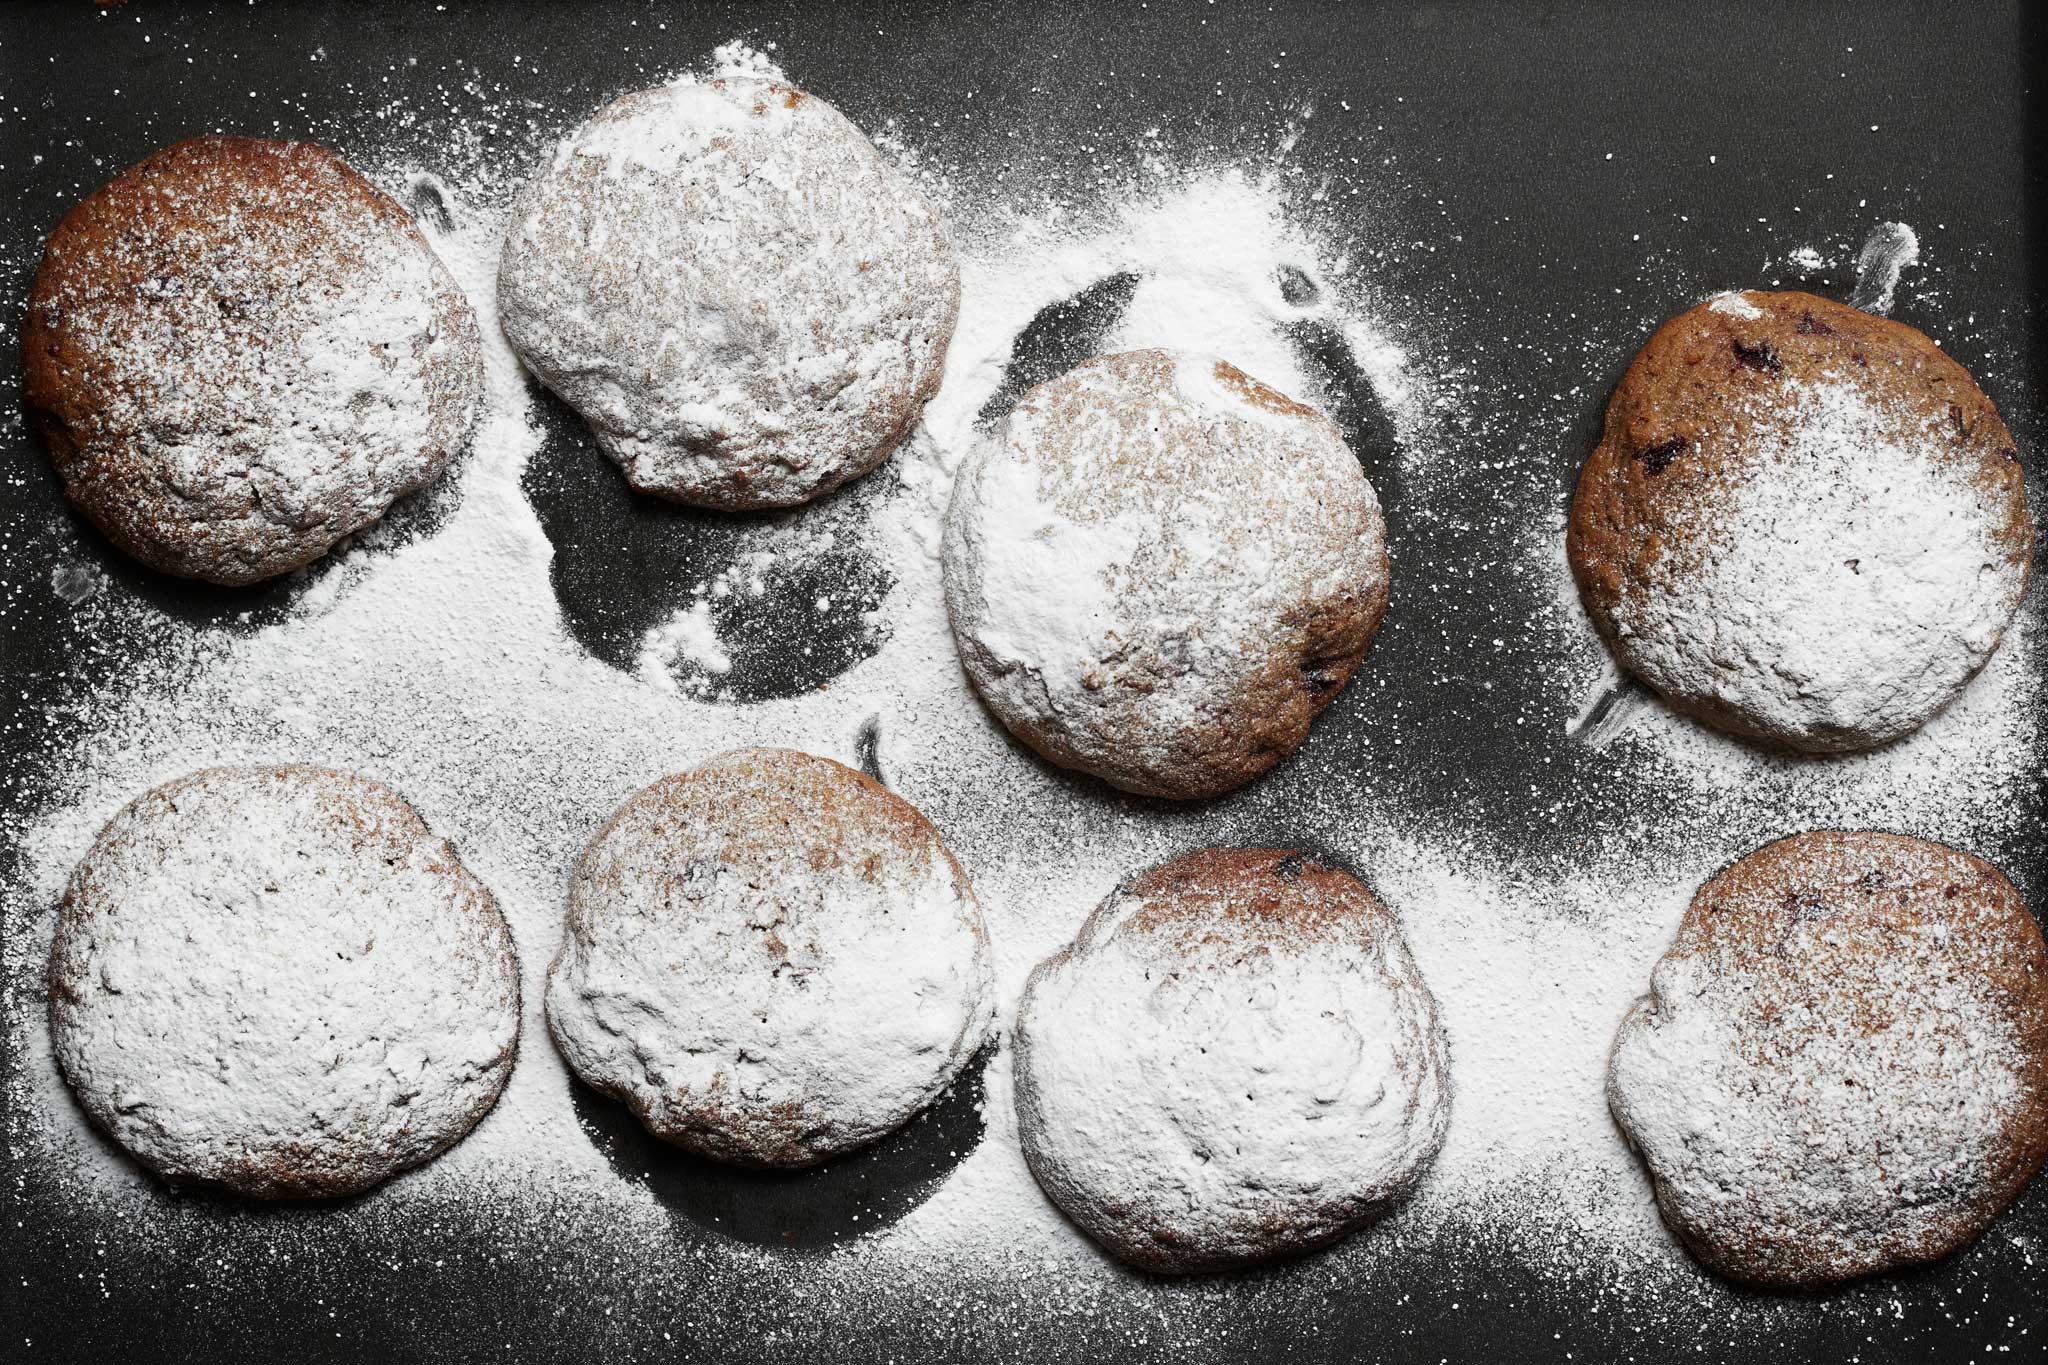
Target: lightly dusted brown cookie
x=1802 y=523
x=239 y=352
x=1160 y=571
x=1842 y=1064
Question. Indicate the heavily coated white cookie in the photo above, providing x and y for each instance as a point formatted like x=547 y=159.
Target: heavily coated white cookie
x=771 y=959
x=743 y=300
x=1235 y=1060
x=1160 y=571
x=278 y=981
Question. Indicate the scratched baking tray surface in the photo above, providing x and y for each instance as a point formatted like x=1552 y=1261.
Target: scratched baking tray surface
x=1520 y=155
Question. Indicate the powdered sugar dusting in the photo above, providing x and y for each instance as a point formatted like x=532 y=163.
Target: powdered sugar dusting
x=688 y=636
x=1046 y=585
x=761 y=989
x=1223 y=553
x=354 y=985
x=1887 y=252
x=665 y=276
x=1843 y=591
x=1840 y=1064
x=1734 y=305
x=253 y=354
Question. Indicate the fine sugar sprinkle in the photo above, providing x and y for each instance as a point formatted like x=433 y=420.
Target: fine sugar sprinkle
x=442 y=663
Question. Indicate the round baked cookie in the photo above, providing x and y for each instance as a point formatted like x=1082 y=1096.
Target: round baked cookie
x=1160 y=571
x=277 y=981
x=1235 y=1060
x=239 y=351
x=1803 y=523
x=771 y=960
x=724 y=278
x=1842 y=1063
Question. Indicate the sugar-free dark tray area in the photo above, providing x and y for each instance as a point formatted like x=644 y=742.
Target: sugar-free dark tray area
x=1524 y=149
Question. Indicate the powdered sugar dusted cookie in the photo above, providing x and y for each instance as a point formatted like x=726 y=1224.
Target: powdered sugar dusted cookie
x=747 y=304
x=1803 y=523
x=240 y=352
x=278 y=981
x=771 y=959
x=1235 y=1060
x=1160 y=571
x=1842 y=1064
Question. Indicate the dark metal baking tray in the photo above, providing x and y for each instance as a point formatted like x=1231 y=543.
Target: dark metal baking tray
x=1493 y=122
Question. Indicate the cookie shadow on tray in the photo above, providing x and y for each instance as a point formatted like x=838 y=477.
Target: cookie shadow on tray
x=737 y=607
x=813 y=1209
x=1059 y=336
x=1353 y=404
